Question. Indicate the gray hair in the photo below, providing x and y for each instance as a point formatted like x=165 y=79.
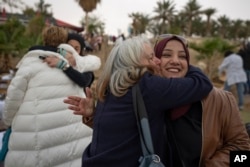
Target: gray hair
x=122 y=68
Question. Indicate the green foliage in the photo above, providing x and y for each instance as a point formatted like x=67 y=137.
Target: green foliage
x=35 y=26
x=15 y=38
x=10 y=34
x=210 y=47
x=210 y=52
x=191 y=20
x=95 y=25
x=141 y=23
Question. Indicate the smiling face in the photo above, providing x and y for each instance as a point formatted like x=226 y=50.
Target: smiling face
x=174 y=60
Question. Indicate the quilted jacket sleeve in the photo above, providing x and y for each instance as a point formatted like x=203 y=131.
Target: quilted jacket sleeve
x=15 y=94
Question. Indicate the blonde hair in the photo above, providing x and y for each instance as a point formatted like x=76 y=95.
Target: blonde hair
x=54 y=35
x=122 y=68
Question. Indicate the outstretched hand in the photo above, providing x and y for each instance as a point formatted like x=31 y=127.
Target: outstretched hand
x=81 y=106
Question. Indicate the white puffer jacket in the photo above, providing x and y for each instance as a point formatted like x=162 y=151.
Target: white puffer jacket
x=44 y=132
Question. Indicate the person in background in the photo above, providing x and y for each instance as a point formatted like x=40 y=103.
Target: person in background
x=232 y=64
x=218 y=113
x=44 y=133
x=99 y=40
x=77 y=42
x=84 y=79
x=120 y=38
x=115 y=135
x=244 y=52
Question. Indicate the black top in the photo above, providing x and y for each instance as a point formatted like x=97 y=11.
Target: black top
x=187 y=137
x=245 y=54
x=84 y=79
x=40 y=47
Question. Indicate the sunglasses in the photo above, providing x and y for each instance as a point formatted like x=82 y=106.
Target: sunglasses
x=164 y=36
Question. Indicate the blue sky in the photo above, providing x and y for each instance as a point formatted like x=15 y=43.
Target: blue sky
x=115 y=12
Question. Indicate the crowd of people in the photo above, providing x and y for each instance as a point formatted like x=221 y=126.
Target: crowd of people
x=192 y=122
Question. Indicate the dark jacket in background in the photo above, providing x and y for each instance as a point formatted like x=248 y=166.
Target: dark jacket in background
x=245 y=54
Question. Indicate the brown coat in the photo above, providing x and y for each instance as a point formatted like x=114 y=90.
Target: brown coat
x=222 y=129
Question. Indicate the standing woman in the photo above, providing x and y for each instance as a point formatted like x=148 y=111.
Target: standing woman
x=44 y=132
x=205 y=131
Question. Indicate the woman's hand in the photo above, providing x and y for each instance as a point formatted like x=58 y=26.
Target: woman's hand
x=71 y=59
x=68 y=55
x=52 y=61
x=81 y=106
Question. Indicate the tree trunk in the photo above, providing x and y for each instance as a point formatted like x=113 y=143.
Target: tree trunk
x=86 y=23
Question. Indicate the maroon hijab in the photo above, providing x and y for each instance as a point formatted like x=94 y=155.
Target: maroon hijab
x=159 y=47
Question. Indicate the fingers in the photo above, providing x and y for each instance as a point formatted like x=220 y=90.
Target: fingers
x=51 y=61
x=77 y=104
x=74 y=108
x=74 y=103
x=75 y=98
x=78 y=113
x=72 y=100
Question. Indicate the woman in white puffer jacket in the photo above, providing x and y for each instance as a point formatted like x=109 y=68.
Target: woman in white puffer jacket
x=44 y=132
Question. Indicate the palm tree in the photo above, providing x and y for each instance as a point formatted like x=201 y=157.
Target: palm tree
x=164 y=15
x=247 y=28
x=199 y=26
x=135 y=22
x=209 y=12
x=43 y=8
x=178 y=24
x=95 y=26
x=214 y=28
x=88 y=6
x=191 y=10
x=223 y=23
x=145 y=21
x=140 y=22
x=236 y=29
x=34 y=29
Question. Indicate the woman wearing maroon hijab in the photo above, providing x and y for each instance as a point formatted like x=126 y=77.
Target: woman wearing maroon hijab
x=204 y=132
